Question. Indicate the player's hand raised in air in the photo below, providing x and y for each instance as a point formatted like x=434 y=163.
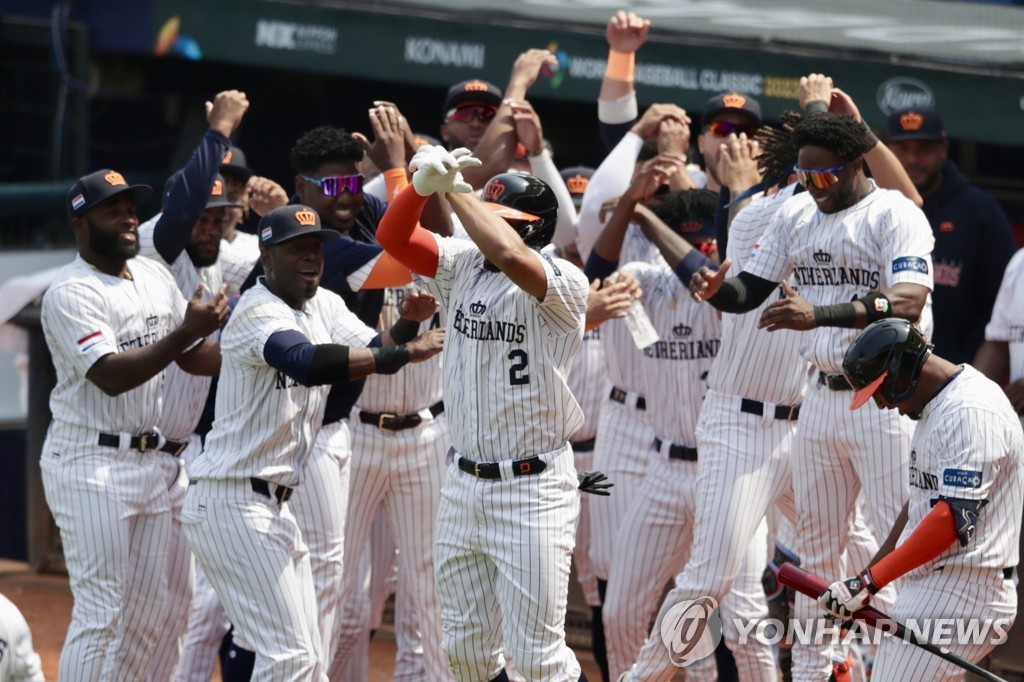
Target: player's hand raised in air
x=265 y=195
x=626 y=32
x=204 y=318
x=418 y=305
x=792 y=312
x=226 y=110
x=389 y=137
x=706 y=282
x=426 y=345
x=650 y=122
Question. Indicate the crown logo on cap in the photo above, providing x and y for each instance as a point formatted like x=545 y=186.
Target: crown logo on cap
x=734 y=100
x=218 y=188
x=690 y=226
x=577 y=184
x=911 y=121
x=681 y=330
x=477 y=308
x=114 y=178
x=494 y=190
x=306 y=218
x=227 y=157
x=476 y=86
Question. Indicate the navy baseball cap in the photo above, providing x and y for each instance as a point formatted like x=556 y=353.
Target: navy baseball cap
x=234 y=163
x=218 y=199
x=289 y=222
x=915 y=123
x=576 y=179
x=732 y=102
x=99 y=186
x=472 y=92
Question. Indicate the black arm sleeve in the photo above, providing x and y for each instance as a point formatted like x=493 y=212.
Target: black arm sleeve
x=329 y=365
x=742 y=293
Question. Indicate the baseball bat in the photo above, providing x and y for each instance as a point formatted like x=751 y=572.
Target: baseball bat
x=812 y=586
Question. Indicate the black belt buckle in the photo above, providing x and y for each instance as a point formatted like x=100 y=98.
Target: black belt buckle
x=147 y=441
x=618 y=395
x=492 y=470
x=282 y=493
x=383 y=417
x=787 y=413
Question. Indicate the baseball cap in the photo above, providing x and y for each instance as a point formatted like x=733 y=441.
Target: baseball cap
x=915 y=123
x=234 y=162
x=732 y=101
x=289 y=222
x=576 y=179
x=472 y=91
x=217 y=199
x=100 y=185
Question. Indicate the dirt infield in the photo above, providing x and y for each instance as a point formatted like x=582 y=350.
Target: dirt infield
x=46 y=602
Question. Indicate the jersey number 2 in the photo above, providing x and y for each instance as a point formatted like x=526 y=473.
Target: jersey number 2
x=517 y=375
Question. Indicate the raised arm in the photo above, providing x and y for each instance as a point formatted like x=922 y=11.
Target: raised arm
x=616 y=104
x=190 y=190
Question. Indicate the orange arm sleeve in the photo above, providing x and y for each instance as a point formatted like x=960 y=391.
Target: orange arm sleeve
x=400 y=234
x=395 y=180
x=934 y=535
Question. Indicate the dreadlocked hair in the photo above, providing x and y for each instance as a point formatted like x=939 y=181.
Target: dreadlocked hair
x=687 y=203
x=840 y=135
x=778 y=149
x=324 y=145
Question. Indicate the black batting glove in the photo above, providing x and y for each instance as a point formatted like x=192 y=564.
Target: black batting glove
x=593 y=482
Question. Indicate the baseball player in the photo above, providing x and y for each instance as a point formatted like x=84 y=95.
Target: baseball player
x=858 y=253
x=113 y=323
x=957 y=534
x=185 y=237
x=1002 y=354
x=18 y=660
x=509 y=504
x=284 y=343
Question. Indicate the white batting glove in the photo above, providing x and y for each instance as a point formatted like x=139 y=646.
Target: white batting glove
x=843 y=598
x=433 y=170
x=465 y=159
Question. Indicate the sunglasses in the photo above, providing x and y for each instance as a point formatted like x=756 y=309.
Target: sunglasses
x=333 y=185
x=467 y=113
x=820 y=179
x=724 y=128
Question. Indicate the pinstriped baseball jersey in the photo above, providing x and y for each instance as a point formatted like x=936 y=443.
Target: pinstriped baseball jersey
x=237 y=259
x=515 y=352
x=880 y=241
x=588 y=381
x=676 y=367
x=417 y=385
x=184 y=393
x=761 y=365
x=86 y=315
x=1007 y=323
x=266 y=421
x=969 y=445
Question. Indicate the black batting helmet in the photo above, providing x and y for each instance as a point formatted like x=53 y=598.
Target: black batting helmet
x=887 y=358
x=527 y=203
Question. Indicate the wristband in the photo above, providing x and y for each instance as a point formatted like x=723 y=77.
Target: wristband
x=870 y=134
x=621 y=65
x=816 y=106
x=390 y=359
x=877 y=305
x=835 y=315
x=868 y=581
x=404 y=330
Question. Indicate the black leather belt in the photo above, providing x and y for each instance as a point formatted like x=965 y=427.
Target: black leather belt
x=492 y=470
x=834 y=382
x=144 y=442
x=282 y=492
x=583 y=445
x=676 y=451
x=397 y=422
x=1007 y=572
x=619 y=396
x=783 y=412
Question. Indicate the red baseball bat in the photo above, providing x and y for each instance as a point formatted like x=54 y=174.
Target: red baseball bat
x=812 y=586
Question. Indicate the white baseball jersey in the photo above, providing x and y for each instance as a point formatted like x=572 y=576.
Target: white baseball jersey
x=184 y=393
x=676 y=367
x=753 y=363
x=18 y=661
x=1007 y=323
x=880 y=241
x=589 y=382
x=237 y=259
x=968 y=445
x=506 y=355
x=266 y=421
x=88 y=314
